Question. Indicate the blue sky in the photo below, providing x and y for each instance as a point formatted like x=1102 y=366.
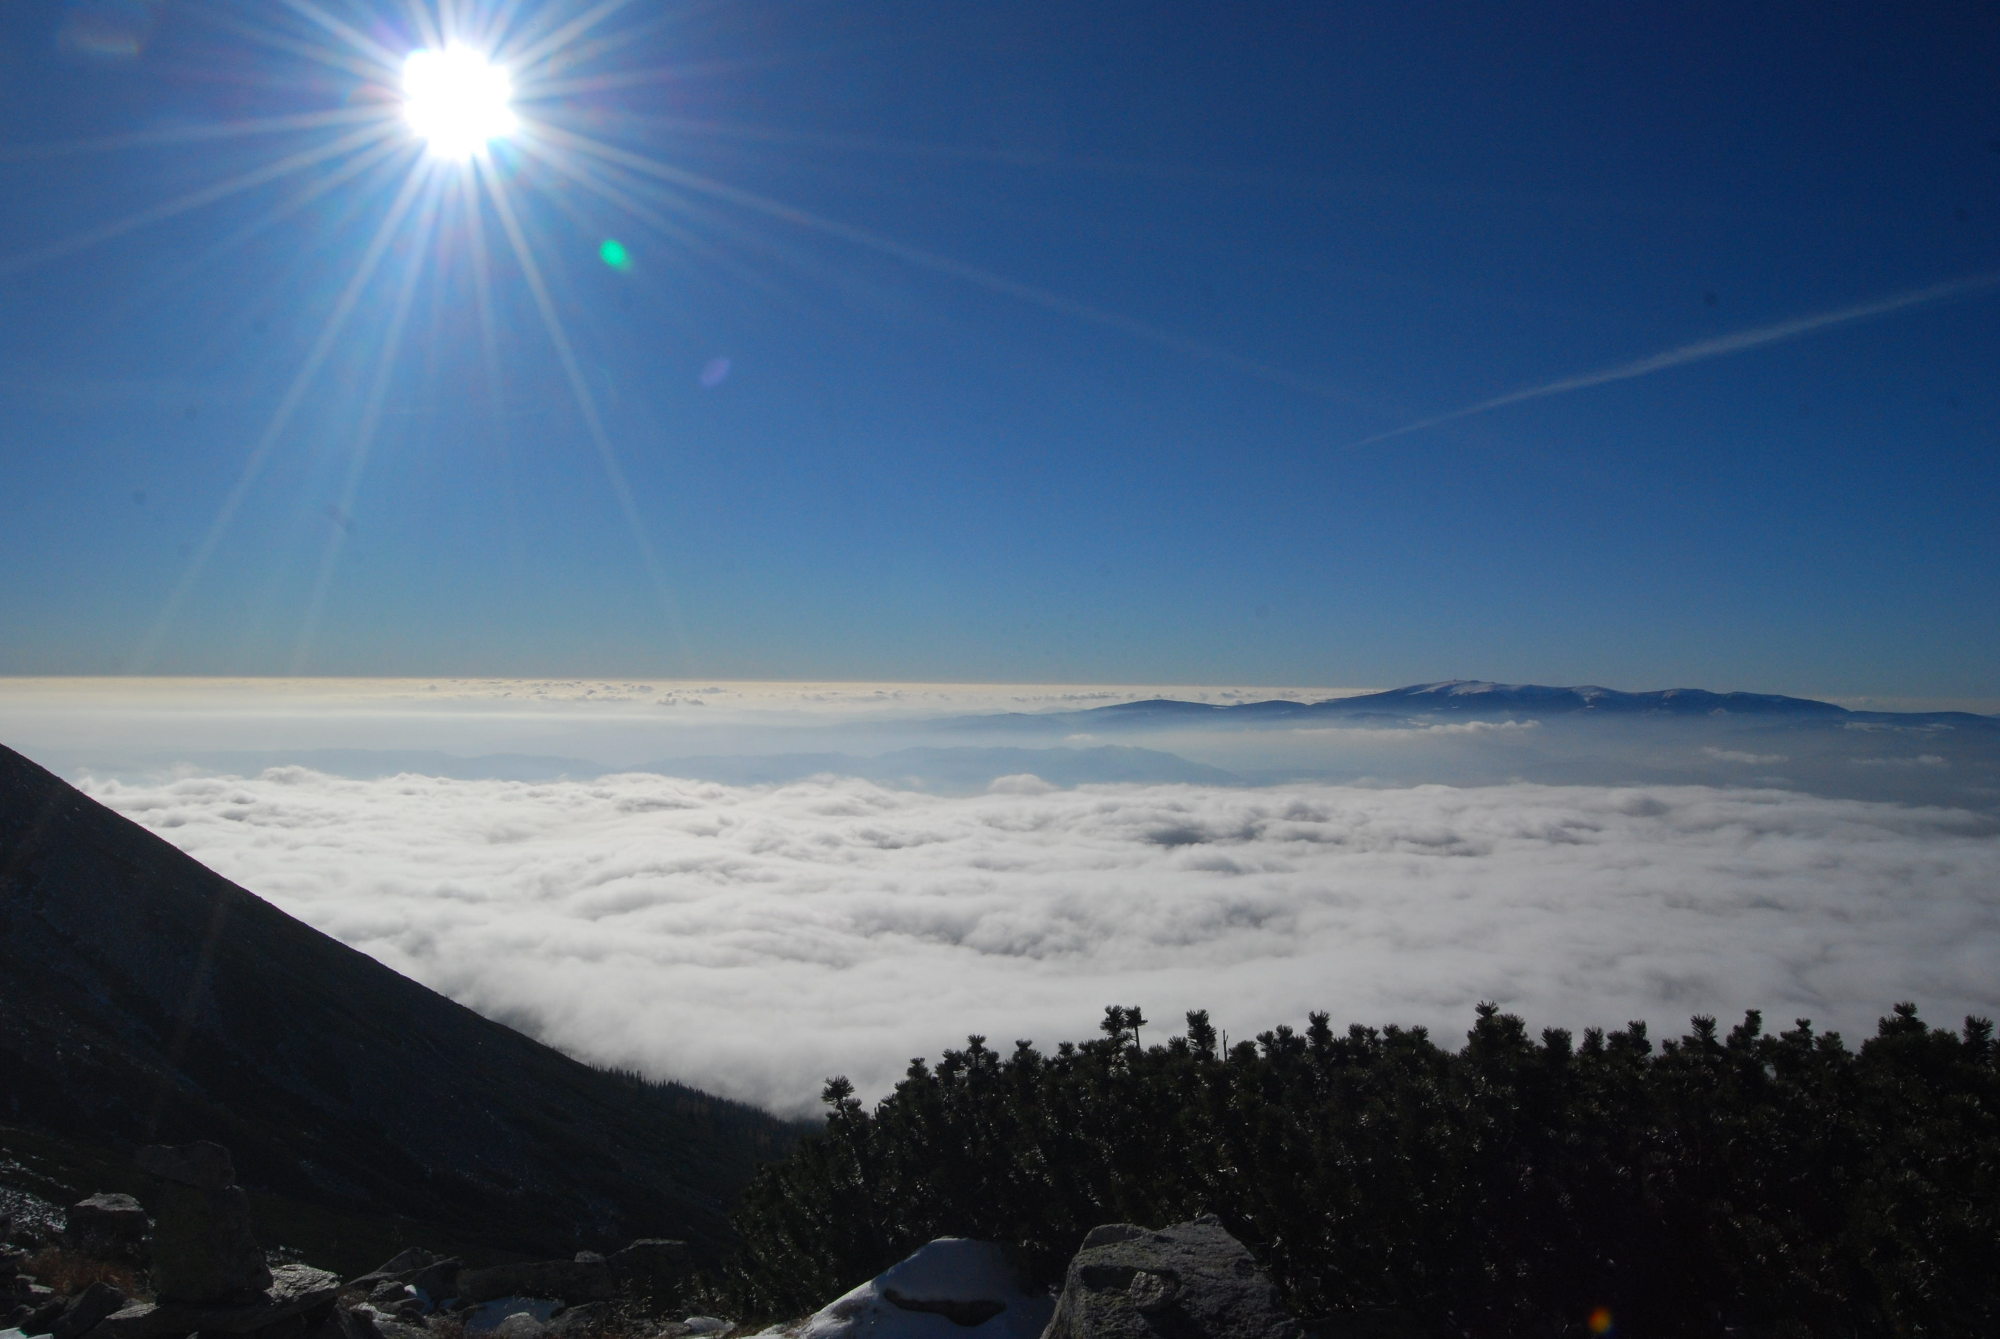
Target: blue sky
x=1060 y=344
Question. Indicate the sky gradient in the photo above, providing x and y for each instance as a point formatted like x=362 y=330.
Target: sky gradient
x=1014 y=342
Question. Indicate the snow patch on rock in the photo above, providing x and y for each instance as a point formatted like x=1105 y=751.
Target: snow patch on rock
x=954 y=1288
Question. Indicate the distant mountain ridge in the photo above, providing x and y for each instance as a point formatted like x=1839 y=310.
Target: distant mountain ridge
x=1476 y=698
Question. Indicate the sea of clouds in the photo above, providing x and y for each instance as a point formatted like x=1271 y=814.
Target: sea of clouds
x=753 y=940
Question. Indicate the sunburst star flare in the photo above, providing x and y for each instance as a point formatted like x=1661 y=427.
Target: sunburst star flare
x=457 y=100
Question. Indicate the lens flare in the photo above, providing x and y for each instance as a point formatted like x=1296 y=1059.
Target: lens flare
x=457 y=100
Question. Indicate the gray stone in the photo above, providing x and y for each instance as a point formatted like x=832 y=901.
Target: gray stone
x=520 y=1325
x=203 y=1249
x=578 y=1320
x=485 y=1317
x=399 y=1267
x=108 y=1226
x=294 y=1290
x=569 y=1280
x=200 y=1165
x=44 y=1311
x=1188 y=1281
x=85 y=1310
x=367 y=1322
x=436 y=1283
x=357 y=1322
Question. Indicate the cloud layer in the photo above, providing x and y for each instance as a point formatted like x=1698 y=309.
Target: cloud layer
x=753 y=940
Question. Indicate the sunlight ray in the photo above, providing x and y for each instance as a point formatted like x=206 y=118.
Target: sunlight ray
x=430 y=30
x=586 y=402
x=582 y=23
x=587 y=49
x=281 y=417
x=332 y=58
x=282 y=167
x=652 y=74
x=876 y=144
x=971 y=274
x=268 y=125
x=138 y=299
x=347 y=32
x=455 y=23
x=504 y=27
x=467 y=191
x=365 y=431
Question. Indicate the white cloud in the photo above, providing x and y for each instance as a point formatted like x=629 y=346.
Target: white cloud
x=1738 y=755
x=754 y=940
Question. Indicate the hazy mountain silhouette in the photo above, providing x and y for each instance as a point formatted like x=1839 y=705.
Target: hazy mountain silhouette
x=144 y=997
x=1464 y=699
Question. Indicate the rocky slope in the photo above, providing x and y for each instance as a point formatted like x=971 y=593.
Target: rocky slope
x=144 y=998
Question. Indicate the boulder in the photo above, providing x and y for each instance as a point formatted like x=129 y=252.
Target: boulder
x=203 y=1250
x=44 y=1309
x=567 y=1280
x=1189 y=1281
x=436 y=1283
x=388 y=1293
x=400 y=1267
x=366 y=1322
x=574 y=1321
x=108 y=1227
x=520 y=1325
x=489 y=1316
x=953 y=1288
x=85 y=1311
x=357 y=1322
x=294 y=1290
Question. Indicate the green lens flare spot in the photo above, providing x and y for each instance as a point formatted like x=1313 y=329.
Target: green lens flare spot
x=614 y=254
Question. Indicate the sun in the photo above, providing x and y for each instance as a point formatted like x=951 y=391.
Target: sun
x=457 y=100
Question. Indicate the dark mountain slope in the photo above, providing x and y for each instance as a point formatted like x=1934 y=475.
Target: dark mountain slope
x=144 y=997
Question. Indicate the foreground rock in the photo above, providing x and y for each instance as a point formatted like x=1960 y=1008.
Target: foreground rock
x=203 y=1250
x=86 y=1311
x=294 y=1291
x=1188 y=1281
x=954 y=1288
x=108 y=1227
